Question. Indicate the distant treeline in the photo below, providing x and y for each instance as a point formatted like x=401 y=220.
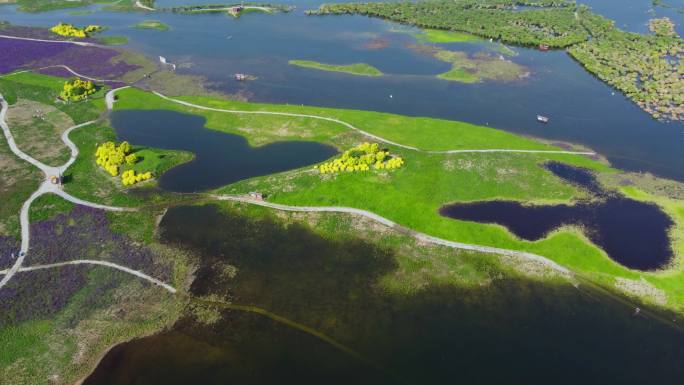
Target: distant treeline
x=221 y=7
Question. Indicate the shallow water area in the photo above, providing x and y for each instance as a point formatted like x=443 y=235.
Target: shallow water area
x=220 y=158
x=528 y=331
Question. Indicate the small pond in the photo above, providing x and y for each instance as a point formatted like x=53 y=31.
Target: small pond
x=220 y=158
x=633 y=233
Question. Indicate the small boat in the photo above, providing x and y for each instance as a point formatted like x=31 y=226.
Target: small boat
x=240 y=77
x=542 y=119
x=543 y=47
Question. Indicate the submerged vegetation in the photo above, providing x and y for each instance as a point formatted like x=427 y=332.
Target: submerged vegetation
x=478 y=67
x=361 y=69
x=152 y=24
x=554 y=23
x=649 y=69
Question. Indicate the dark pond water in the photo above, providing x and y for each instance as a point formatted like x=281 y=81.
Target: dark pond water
x=509 y=332
x=633 y=233
x=582 y=108
x=220 y=158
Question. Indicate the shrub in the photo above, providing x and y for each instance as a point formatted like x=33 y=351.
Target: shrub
x=361 y=158
x=76 y=90
x=69 y=30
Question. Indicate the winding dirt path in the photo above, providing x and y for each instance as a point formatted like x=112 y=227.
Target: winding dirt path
x=81 y=43
x=417 y=235
x=113 y=265
x=47 y=187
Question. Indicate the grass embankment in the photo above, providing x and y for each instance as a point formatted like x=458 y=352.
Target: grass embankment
x=152 y=24
x=412 y=195
x=361 y=69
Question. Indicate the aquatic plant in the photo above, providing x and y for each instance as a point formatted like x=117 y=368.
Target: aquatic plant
x=554 y=23
x=362 y=158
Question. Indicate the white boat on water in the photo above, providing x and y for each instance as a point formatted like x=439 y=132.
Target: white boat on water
x=542 y=119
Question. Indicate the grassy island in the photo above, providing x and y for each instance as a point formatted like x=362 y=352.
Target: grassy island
x=152 y=24
x=361 y=69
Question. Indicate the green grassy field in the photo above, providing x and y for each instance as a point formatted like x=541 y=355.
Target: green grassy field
x=361 y=69
x=412 y=195
x=441 y=36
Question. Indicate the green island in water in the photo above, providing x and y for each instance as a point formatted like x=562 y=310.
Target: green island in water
x=154 y=227
x=361 y=69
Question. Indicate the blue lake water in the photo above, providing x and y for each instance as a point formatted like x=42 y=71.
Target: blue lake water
x=582 y=108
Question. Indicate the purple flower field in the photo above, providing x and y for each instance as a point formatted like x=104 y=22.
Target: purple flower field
x=91 y=61
x=82 y=233
x=8 y=245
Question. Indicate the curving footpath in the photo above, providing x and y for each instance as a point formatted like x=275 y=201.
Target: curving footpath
x=417 y=235
x=63 y=67
x=365 y=133
x=48 y=187
x=125 y=269
x=81 y=43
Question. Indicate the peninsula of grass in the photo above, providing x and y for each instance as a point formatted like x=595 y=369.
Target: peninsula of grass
x=412 y=195
x=152 y=24
x=361 y=69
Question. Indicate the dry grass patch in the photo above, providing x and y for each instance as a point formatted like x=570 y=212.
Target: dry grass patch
x=37 y=129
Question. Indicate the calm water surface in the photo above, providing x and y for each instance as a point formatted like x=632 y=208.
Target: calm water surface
x=220 y=158
x=582 y=109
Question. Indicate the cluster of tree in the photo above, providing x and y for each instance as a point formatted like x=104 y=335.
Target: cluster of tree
x=129 y=177
x=555 y=23
x=69 y=30
x=75 y=90
x=361 y=158
x=110 y=157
